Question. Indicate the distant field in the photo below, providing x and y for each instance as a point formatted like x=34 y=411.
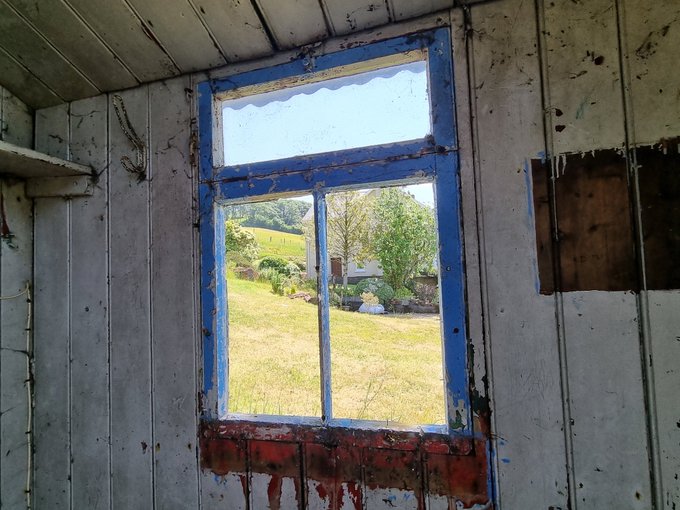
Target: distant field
x=273 y=242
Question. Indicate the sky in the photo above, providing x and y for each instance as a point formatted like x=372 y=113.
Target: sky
x=378 y=107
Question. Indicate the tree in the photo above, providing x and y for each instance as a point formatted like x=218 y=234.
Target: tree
x=240 y=241
x=404 y=237
x=348 y=221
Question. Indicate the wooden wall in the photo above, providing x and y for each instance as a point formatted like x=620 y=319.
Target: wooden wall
x=582 y=384
x=16 y=257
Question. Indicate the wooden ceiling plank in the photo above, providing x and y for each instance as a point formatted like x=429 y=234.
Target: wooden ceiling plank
x=348 y=16
x=23 y=84
x=294 y=23
x=62 y=27
x=405 y=9
x=236 y=27
x=181 y=32
x=31 y=49
x=127 y=36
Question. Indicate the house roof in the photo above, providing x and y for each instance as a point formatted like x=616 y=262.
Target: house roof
x=56 y=51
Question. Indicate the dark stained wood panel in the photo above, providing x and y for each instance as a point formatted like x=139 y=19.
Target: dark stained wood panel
x=659 y=181
x=542 y=213
x=34 y=52
x=594 y=222
x=132 y=41
x=66 y=31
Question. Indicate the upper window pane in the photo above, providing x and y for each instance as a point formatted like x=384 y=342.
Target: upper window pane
x=371 y=108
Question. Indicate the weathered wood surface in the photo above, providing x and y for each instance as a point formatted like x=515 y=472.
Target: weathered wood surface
x=195 y=50
x=129 y=39
x=236 y=28
x=16 y=268
x=294 y=23
x=132 y=441
x=26 y=86
x=89 y=411
x=172 y=296
x=19 y=162
x=527 y=417
x=402 y=9
x=84 y=50
x=52 y=349
x=15 y=275
x=348 y=16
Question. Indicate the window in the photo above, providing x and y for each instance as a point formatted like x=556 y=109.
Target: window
x=377 y=141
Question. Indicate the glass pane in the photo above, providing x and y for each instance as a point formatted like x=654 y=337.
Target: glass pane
x=372 y=108
x=386 y=350
x=273 y=328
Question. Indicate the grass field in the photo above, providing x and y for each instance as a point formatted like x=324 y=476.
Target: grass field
x=273 y=242
x=385 y=368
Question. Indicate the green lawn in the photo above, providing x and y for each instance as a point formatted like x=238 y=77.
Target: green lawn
x=273 y=242
x=384 y=368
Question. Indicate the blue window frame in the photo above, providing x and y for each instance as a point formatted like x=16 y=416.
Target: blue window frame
x=433 y=158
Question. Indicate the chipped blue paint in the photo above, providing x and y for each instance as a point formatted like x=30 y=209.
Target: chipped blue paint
x=505 y=460
x=431 y=159
x=323 y=304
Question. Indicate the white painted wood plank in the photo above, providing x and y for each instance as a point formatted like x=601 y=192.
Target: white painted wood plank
x=584 y=83
x=131 y=41
x=219 y=492
x=194 y=50
x=15 y=274
x=23 y=42
x=382 y=499
x=25 y=85
x=51 y=340
x=651 y=38
x=51 y=131
x=404 y=9
x=76 y=42
x=236 y=28
x=525 y=368
x=350 y=16
x=27 y=163
x=665 y=339
x=294 y=23
x=607 y=401
x=89 y=312
x=172 y=298
x=17 y=124
x=52 y=470
x=131 y=419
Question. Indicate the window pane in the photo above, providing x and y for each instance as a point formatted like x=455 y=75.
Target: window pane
x=273 y=328
x=386 y=350
x=372 y=108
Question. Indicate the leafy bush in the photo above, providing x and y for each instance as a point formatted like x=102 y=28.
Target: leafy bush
x=291 y=269
x=403 y=293
x=265 y=275
x=278 y=282
x=274 y=262
x=238 y=259
x=427 y=293
x=377 y=287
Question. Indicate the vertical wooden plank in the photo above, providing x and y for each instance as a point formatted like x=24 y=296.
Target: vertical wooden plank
x=17 y=121
x=601 y=331
x=89 y=311
x=132 y=445
x=275 y=481
x=583 y=80
x=226 y=484
x=609 y=436
x=649 y=35
x=333 y=477
x=392 y=479
x=664 y=327
x=51 y=327
x=16 y=262
x=523 y=353
x=174 y=377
